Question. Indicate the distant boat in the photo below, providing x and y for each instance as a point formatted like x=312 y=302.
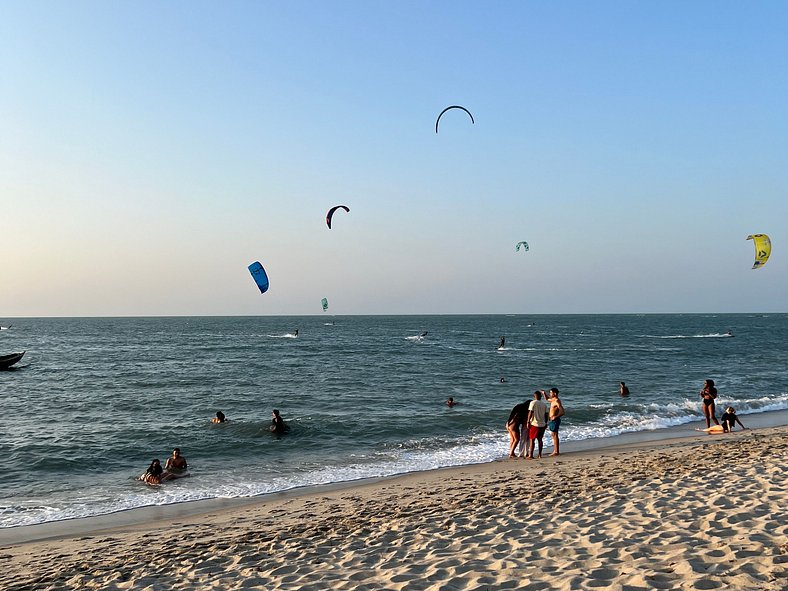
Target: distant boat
x=7 y=361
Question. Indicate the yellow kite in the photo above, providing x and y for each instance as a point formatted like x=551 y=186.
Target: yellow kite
x=763 y=248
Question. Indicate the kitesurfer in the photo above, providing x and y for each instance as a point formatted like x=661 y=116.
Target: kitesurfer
x=502 y=343
x=175 y=467
x=295 y=334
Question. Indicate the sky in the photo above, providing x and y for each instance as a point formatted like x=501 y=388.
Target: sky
x=149 y=152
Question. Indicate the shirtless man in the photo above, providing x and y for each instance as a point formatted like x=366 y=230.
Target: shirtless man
x=175 y=467
x=623 y=390
x=554 y=419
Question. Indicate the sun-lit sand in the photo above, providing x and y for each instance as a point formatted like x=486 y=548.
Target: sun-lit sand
x=700 y=513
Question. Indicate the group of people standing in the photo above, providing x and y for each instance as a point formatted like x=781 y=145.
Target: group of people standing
x=528 y=422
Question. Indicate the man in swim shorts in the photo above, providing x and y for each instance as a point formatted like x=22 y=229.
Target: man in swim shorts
x=175 y=467
x=538 y=412
x=554 y=422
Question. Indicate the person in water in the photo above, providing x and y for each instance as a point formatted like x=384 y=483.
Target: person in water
x=295 y=334
x=175 y=467
x=503 y=380
x=219 y=418
x=502 y=343
x=729 y=419
x=153 y=474
x=554 y=418
x=450 y=402
x=708 y=395
x=623 y=390
x=277 y=422
x=514 y=425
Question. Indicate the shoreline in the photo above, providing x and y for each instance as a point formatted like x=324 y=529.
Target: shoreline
x=149 y=515
x=704 y=512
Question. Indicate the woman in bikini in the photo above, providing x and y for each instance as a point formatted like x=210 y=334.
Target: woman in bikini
x=708 y=394
x=153 y=473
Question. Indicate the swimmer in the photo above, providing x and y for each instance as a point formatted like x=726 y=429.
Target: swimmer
x=623 y=390
x=503 y=380
x=153 y=474
x=219 y=418
x=277 y=423
x=450 y=402
x=424 y=334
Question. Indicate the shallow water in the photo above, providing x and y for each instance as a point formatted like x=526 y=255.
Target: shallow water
x=96 y=399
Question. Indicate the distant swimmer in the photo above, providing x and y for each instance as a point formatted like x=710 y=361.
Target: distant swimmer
x=450 y=402
x=729 y=333
x=503 y=380
x=502 y=343
x=278 y=424
x=219 y=418
x=623 y=390
x=424 y=334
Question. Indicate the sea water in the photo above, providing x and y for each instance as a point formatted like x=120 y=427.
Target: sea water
x=96 y=399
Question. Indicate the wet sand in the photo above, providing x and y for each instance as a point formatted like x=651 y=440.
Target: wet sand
x=704 y=512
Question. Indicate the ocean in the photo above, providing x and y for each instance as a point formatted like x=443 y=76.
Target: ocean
x=96 y=399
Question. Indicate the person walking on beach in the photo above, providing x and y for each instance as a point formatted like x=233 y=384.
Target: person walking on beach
x=708 y=395
x=623 y=390
x=514 y=425
x=538 y=412
x=554 y=419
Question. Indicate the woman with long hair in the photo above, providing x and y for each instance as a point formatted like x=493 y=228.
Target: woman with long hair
x=708 y=395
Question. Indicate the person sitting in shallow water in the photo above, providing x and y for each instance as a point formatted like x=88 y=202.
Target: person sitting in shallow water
x=219 y=418
x=153 y=474
x=175 y=467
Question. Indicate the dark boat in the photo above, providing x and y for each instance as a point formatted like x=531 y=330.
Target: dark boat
x=7 y=361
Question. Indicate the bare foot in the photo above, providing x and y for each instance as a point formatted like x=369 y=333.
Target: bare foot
x=555 y=454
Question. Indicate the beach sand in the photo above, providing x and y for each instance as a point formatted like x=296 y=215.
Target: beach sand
x=706 y=512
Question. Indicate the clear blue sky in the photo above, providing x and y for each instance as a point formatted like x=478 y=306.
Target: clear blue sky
x=150 y=151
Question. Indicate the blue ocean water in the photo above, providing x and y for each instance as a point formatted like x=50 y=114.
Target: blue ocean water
x=96 y=399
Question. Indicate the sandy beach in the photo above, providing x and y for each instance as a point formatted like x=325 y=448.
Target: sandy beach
x=705 y=512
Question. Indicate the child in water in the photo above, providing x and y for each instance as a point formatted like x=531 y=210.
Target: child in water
x=729 y=418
